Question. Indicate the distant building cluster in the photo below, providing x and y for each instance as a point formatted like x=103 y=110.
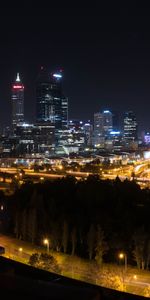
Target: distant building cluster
x=107 y=132
x=54 y=134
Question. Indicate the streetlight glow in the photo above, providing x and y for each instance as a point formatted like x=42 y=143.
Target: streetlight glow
x=121 y=256
x=46 y=242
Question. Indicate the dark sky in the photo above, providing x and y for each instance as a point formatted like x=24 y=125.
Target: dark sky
x=104 y=51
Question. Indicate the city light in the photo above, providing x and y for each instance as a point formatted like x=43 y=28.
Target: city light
x=57 y=75
x=106 y=111
x=115 y=132
x=18 y=87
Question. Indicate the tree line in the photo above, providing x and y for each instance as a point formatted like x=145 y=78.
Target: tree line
x=92 y=218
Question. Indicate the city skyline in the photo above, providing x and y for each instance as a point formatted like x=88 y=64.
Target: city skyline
x=52 y=78
x=119 y=114
x=104 y=54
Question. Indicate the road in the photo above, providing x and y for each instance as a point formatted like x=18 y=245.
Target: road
x=44 y=174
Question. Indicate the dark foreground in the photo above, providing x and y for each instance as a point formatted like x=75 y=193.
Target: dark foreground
x=19 y=281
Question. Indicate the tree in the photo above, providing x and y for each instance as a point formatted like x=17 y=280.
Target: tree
x=44 y=261
x=148 y=254
x=140 y=248
x=91 y=241
x=34 y=259
x=65 y=236
x=111 y=278
x=24 y=225
x=101 y=246
x=56 y=236
x=48 y=262
x=32 y=225
x=146 y=292
x=73 y=240
x=17 y=225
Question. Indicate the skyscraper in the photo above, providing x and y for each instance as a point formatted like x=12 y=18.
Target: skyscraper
x=52 y=105
x=17 y=99
x=130 y=127
x=102 y=126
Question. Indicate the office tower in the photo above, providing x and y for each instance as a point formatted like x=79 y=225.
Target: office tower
x=130 y=127
x=17 y=99
x=34 y=138
x=64 y=113
x=83 y=128
x=102 y=126
x=51 y=104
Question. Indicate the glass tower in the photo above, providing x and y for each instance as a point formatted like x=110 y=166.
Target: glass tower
x=51 y=104
x=103 y=123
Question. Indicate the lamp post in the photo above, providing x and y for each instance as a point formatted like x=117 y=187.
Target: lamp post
x=46 y=242
x=20 y=251
x=124 y=256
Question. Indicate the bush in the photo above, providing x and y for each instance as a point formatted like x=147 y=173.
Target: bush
x=44 y=261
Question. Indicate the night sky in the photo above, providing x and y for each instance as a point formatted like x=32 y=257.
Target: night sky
x=104 y=52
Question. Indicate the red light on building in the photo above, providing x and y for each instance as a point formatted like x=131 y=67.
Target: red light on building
x=18 y=87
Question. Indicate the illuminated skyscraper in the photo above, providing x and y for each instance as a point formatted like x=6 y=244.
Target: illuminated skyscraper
x=51 y=104
x=102 y=125
x=17 y=99
x=130 y=127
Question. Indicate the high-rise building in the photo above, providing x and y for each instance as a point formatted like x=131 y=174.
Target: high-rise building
x=102 y=126
x=51 y=104
x=17 y=99
x=34 y=139
x=130 y=127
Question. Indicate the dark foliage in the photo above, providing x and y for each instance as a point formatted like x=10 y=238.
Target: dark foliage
x=44 y=261
x=65 y=209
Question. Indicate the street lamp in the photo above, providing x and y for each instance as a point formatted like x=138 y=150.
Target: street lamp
x=124 y=256
x=20 y=251
x=46 y=242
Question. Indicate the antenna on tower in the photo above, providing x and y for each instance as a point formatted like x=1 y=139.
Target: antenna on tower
x=18 y=78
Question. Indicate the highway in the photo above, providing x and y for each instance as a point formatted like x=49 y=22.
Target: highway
x=140 y=171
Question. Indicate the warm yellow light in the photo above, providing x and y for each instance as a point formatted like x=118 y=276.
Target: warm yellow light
x=121 y=255
x=46 y=241
x=20 y=249
x=135 y=277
